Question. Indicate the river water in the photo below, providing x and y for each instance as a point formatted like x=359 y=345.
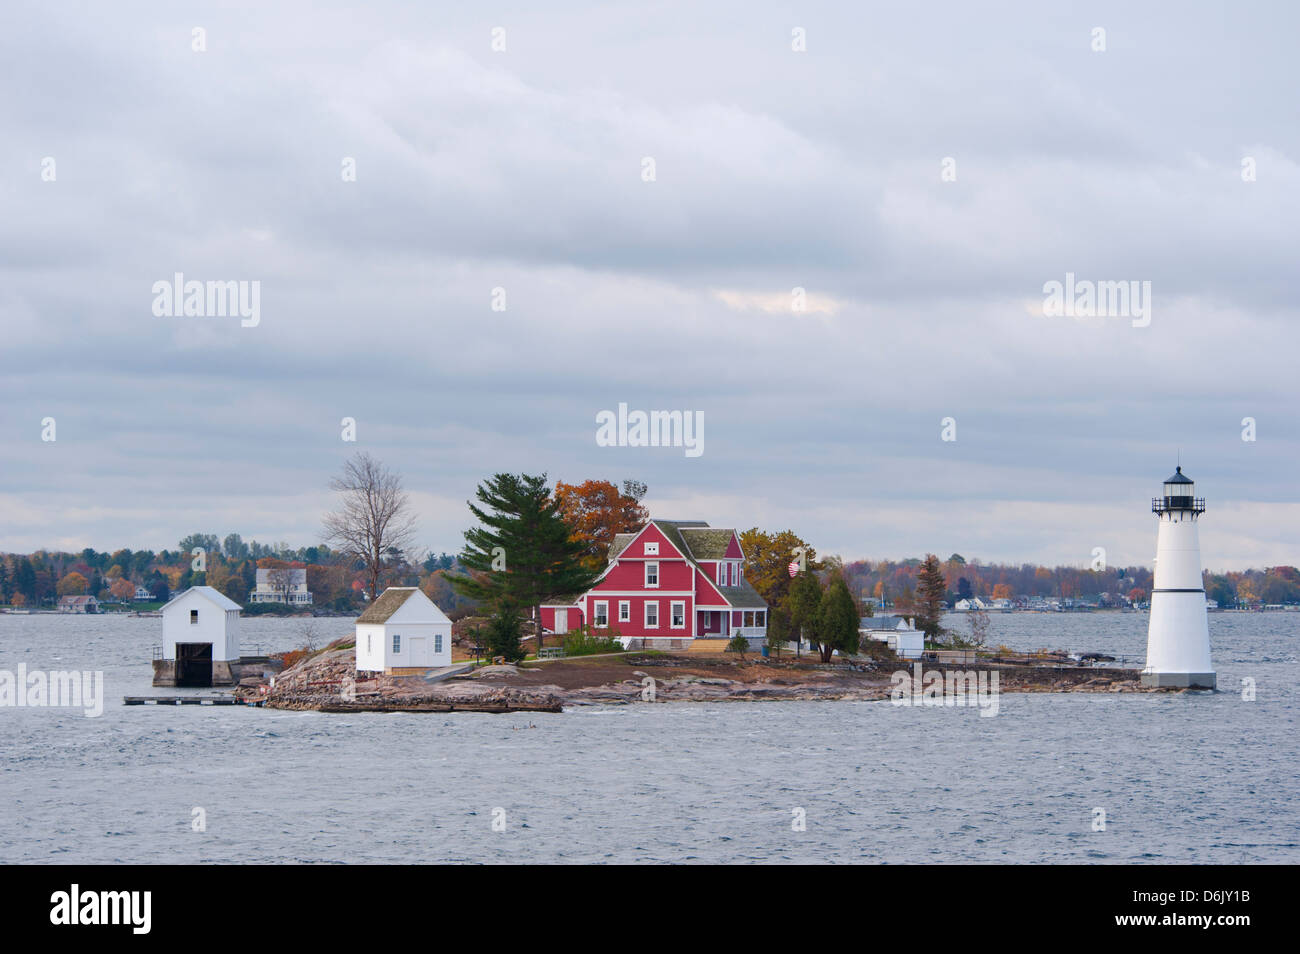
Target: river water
x=1194 y=777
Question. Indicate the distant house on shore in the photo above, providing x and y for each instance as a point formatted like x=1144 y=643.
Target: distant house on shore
x=402 y=631
x=142 y=595
x=971 y=605
x=200 y=639
x=667 y=585
x=287 y=585
x=78 y=604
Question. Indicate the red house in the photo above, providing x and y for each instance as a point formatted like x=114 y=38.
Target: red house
x=672 y=582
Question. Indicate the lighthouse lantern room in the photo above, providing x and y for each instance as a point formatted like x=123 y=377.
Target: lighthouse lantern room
x=1178 y=640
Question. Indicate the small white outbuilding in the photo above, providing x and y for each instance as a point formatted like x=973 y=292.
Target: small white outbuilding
x=200 y=639
x=402 y=630
x=897 y=633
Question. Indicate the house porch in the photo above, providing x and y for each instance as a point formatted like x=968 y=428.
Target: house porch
x=752 y=624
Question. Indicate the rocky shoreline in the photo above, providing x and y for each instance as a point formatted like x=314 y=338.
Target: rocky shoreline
x=327 y=682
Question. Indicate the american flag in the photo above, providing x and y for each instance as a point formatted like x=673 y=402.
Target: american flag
x=794 y=567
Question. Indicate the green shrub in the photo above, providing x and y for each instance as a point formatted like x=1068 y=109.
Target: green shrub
x=502 y=634
x=584 y=641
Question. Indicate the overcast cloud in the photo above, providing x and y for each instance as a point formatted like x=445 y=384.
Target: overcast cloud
x=775 y=169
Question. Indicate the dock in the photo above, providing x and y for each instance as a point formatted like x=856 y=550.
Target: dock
x=188 y=701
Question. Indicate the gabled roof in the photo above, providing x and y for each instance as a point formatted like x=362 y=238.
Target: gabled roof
x=296 y=574
x=672 y=530
x=210 y=594
x=388 y=603
x=881 y=623
x=707 y=543
x=696 y=541
x=621 y=540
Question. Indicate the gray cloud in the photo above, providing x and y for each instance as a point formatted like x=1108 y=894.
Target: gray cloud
x=775 y=170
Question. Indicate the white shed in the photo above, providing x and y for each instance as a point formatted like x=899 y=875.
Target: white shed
x=401 y=630
x=897 y=633
x=200 y=639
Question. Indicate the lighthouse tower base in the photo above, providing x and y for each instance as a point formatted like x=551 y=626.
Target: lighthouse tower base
x=1178 y=680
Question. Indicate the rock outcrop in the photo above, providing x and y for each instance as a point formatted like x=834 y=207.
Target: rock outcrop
x=327 y=682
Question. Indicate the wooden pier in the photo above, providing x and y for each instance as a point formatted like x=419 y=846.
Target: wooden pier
x=188 y=701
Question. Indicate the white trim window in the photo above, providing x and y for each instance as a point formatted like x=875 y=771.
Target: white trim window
x=652 y=573
x=625 y=611
x=652 y=614
x=721 y=574
x=600 y=615
x=397 y=643
x=734 y=573
x=437 y=642
x=678 y=618
x=652 y=548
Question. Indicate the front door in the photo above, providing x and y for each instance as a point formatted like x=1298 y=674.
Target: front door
x=194 y=664
x=419 y=650
x=561 y=621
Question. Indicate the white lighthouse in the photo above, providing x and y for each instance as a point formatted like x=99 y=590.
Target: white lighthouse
x=1178 y=642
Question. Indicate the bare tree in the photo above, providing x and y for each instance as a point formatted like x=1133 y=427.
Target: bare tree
x=281 y=579
x=375 y=518
x=309 y=634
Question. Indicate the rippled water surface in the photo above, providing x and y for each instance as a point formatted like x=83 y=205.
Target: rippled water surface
x=1184 y=778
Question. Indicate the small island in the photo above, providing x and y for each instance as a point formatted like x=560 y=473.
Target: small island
x=647 y=610
x=327 y=681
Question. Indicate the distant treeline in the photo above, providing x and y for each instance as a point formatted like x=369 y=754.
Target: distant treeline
x=1115 y=586
x=336 y=583
x=230 y=565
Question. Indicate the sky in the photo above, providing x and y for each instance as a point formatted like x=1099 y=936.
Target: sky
x=921 y=171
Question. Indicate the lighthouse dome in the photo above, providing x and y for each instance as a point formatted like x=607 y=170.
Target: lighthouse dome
x=1179 y=485
x=1180 y=494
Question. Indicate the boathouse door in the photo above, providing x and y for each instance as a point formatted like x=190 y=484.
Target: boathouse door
x=194 y=664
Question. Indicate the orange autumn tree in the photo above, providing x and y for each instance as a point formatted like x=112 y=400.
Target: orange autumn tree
x=767 y=561
x=596 y=510
x=74 y=584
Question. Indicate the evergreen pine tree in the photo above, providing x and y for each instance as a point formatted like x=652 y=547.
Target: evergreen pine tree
x=838 y=620
x=802 y=602
x=25 y=579
x=779 y=629
x=931 y=598
x=502 y=633
x=522 y=552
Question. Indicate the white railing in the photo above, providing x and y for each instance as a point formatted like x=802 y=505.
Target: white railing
x=749 y=631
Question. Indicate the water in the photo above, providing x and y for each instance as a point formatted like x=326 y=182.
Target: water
x=1182 y=778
